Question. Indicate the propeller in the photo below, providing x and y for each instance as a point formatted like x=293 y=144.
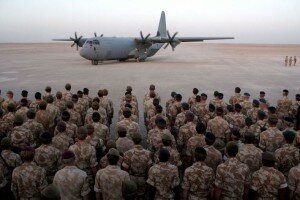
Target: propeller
x=172 y=41
x=95 y=34
x=75 y=40
x=144 y=39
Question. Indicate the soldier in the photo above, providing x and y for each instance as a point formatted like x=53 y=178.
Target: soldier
x=262 y=95
x=61 y=140
x=129 y=91
x=35 y=104
x=198 y=179
x=129 y=100
x=8 y=100
x=272 y=138
x=252 y=113
x=137 y=162
x=103 y=102
x=71 y=182
x=211 y=114
x=295 y=106
x=250 y=154
x=219 y=101
x=200 y=108
x=181 y=117
x=159 y=113
x=197 y=140
x=175 y=109
x=163 y=178
x=267 y=182
x=295 y=60
x=75 y=116
x=151 y=89
x=100 y=130
x=260 y=125
x=129 y=190
x=20 y=136
x=286 y=60
x=170 y=102
x=288 y=155
x=232 y=177
x=86 y=96
x=294 y=182
x=78 y=107
x=238 y=117
x=229 y=117
x=23 y=109
x=96 y=108
x=43 y=116
x=83 y=102
x=248 y=128
x=192 y=99
x=53 y=110
x=218 y=126
x=213 y=101
x=131 y=126
x=33 y=126
x=214 y=156
x=104 y=160
x=284 y=104
x=237 y=97
x=290 y=61
x=71 y=128
x=246 y=103
x=9 y=117
x=5 y=127
x=111 y=177
x=48 y=90
x=24 y=95
x=59 y=102
x=150 y=109
x=28 y=180
x=67 y=95
x=123 y=143
x=47 y=156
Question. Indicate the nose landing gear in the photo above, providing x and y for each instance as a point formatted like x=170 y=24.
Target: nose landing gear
x=94 y=62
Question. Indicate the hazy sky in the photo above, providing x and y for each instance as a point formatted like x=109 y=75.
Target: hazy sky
x=249 y=21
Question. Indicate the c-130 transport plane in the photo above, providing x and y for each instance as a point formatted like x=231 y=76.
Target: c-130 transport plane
x=123 y=48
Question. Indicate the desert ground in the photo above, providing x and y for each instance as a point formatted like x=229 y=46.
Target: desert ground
x=208 y=67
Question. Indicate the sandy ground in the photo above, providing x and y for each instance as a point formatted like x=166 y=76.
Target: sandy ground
x=206 y=66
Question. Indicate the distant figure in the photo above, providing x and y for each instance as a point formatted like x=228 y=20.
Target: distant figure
x=295 y=60
x=286 y=60
x=290 y=61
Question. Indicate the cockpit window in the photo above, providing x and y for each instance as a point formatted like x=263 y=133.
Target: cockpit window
x=96 y=42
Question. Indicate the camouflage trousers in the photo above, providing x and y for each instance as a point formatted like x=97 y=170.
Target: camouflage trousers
x=140 y=181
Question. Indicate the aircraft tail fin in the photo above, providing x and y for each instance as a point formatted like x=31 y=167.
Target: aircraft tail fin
x=162 y=30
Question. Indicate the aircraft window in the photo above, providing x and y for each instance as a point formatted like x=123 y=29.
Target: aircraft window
x=95 y=42
x=90 y=42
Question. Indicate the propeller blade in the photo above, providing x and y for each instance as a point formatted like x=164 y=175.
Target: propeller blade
x=72 y=45
x=101 y=35
x=72 y=39
x=77 y=47
x=75 y=35
x=141 y=34
x=79 y=38
x=95 y=34
x=174 y=35
x=147 y=36
x=168 y=35
x=166 y=45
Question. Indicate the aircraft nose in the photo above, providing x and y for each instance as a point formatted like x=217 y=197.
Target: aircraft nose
x=82 y=52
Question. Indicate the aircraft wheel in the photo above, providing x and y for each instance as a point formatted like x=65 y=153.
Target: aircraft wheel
x=94 y=62
x=122 y=60
x=140 y=60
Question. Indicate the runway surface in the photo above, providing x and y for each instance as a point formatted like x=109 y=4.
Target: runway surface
x=206 y=66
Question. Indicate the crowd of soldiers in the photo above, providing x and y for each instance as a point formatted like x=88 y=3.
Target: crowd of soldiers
x=290 y=61
x=59 y=146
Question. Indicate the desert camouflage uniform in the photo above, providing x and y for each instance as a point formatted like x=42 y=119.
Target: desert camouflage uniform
x=246 y=106
x=28 y=180
x=104 y=103
x=148 y=105
x=48 y=157
x=131 y=126
x=62 y=141
x=229 y=117
x=258 y=127
x=193 y=142
x=104 y=162
x=174 y=156
x=43 y=117
x=23 y=113
x=101 y=131
x=252 y=113
x=236 y=98
x=134 y=109
x=213 y=158
x=71 y=130
x=6 y=102
x=67 y=96
x=294 y=181
x=111 y=106
x=199 y=109
x=84 y=103
x=246 y=129
x=267 y=181
x=21 y=137
x=220 y=103
x=9 y=118
x=88 y=99
x=219 y=127
x=294 y=108
x=287 y=157
x=79 y=107
x=168 y=104
x=132 y=118
x=208 y=116
x=54 y=112
x=180 y=119
x=5 y=128
x=109 y=182
x=250 y=155
x=35 y=128
x=192 y=100
x=124 y=144
x=147 y=96
x=231 y=177
x=88 y=117
x=283 y=106
x=12 y=159
x=72 y=183
x=239 y=121
x=198 y=181
x=35 y=105
x=271 y=139
x=137 y=162
x=152 y=124
x=164 y=177
x=174 y=110
x=61 y=104
x=75 y=117
x=185 y=133
x=155 y=139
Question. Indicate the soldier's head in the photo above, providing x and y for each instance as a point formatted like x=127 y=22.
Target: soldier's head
x=216 y=93
x=96 y=117
x=211 y=108
x=262 y=94
x=200 y=154
x=27 y=154
x=152 y=87
x=261 y=115
x=155 y=101
x=268 y=159
x=128 y=105
x=10 y=94
x=164 y=155
x=48 y=89
x=23 y=102
x=96 y=99
x=246 y=95
x=74 y=98
x=255 y=103
x=219 y=111
x=129 y=89
x=95 y=106
x=195 y=91
x=58 y=95
x=18 y=120
x=178 y=97
x=113 y=156
x=105 y=92
x=160 y=123
x=272 y=120
x=129 y=190
x=42 y=105
x=200 y=128
x=30 y=114
x=237 y=108
x=127 y=113
x=5 y=143
x=249 y=137
x=85 y=91
x=210 y=138
x=220 y=96
x=231 y=149
x=198 y=98
x=137 y=138
x=235 y=135
x=128 y=98
x=203 y=97
x=110 y=144
x=81 y=133
x=11 y=107
x=230 y=108
x=24 y=93
x=79 y=94
x=166 y=139
x=173 y=94
x=248 y=121
x=50 y=192
x=45 y=138
x=100 y=93
x=90 y=129
x=68 y=158
x=38 y=96
x=285 y=92
x=152 y=94
x=70 y=104
x=272 y=109
x=61 y=126
x=50 y=99
x=68 y=87
x=65 y=116
x=289 y=136
x=297 y=97
x=237 y=90
x=185 y=106
x=189 y=116
x=158 y=109
x=122 y=132
x=288 y=121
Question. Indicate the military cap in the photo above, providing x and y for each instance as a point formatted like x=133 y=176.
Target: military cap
x=289 y=135
x=70 y=104
x=152 y=87
x=249 y=134
x=27 y=153
x=173 y=94
x=262 y=92
x=261 y=113
x=297 y=96
x=203 y=95
x=50 y=192
x=126 y=109
x=262 y=101
x=211 y=106
x=9 y=92
x=185 y=106
x=247 y=94
x=68 y=86
x=216 y=93
x=128 y=88
x=31 y=111
x=24 y=93
x=288 y=119
x=121 y=129
x=166 y=136
x=219 y=144
x=230 y=108
x=5 y=142
x=110 y=144
x=67 y=155
x=48 y=88
x=113 y=152
x=285 y=91
x=237 y=106
x=255 y=102
x=248 y=120
x=85 y=90
x=129 y=188
x=43 y=104
x=18 y=119
x=81 y=132
x=46 y=136
x=219 y=110
x=136 y=137
x=11 y=106
x=268 y=156
x=272 y=109
x=210 y=136
x=89 y=127
x=200 y=150
x=273 y=119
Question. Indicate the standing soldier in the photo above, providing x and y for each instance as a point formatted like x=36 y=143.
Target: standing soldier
x=268 y=182
x=237 y=97
x=109 y=181
x=71 y=182
x=22 y=111
x=35 y=127
x=198 y=179
x=294 y=182
x=175 y=109
x=59 y=102
x=246 y=103
x=163 y=178
x=110 y=104
x=151 y=89
x=286 y=60
x=252 y=113
x=8 y=100
x=61 y=140
x=24 y=95
x=192 y=99
x=200 y=108
x=214 y=156
x=100 y=130
x=197 y=140
x=131 y=126
x=123 y=143
x=295 y=60
x=28 y=180
x=86 y=96
x=47 y=93
x=219 y=126
x=53 y=110
x=43 y=116
x=290 y=61
x=170 y=102
x=181 y=117
x=75 y=116
x=20 y=136
x=38 y=99
x=284 y=104
x=67 y=95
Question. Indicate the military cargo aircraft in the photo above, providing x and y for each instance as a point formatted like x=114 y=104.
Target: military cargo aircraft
x=123 y=48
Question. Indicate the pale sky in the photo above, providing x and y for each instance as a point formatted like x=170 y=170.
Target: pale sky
x=249 y=21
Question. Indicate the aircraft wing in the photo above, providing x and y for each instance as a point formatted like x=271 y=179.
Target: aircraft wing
x=185 y=39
